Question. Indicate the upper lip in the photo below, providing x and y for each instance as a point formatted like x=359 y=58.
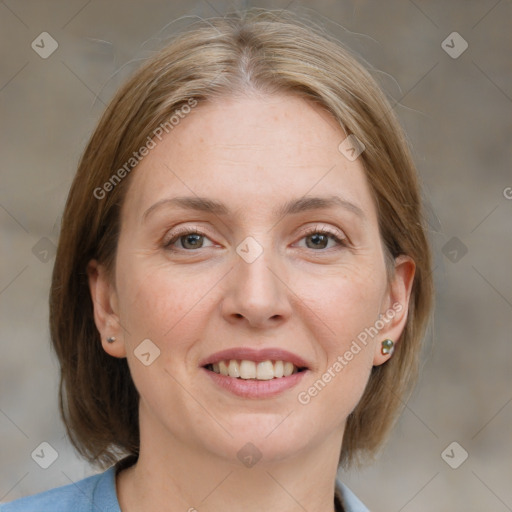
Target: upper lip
x=250 y=354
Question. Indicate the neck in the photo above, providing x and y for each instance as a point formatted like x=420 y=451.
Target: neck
x=175 y=476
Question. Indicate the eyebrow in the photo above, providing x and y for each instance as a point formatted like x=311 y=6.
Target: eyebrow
x=294 y=206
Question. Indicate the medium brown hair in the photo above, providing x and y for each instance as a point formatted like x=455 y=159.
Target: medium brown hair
x=256 y=50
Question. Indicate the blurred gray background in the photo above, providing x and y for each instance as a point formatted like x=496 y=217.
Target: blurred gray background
x=456 y=107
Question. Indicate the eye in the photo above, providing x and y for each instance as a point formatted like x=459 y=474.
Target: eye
x=319 y=238
x=188 y=239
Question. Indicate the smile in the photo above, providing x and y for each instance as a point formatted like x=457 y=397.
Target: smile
x=246 y=369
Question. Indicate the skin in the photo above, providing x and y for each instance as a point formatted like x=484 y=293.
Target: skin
x=253 y=153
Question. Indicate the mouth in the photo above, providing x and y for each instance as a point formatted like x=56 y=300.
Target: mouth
x=254 y=370
x=255 y=374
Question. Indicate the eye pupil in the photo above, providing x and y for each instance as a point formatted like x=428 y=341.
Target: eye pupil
x=318 y=240
x=194 y=240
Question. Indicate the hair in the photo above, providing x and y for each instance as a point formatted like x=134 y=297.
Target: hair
x=254 y=51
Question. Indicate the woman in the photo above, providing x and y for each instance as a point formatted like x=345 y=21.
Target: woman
x=242 y=280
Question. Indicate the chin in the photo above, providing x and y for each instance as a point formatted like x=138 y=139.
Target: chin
x=265 y=437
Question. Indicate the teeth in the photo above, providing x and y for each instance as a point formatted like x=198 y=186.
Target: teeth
x=288 y=369
x=264 y=370
x=223 y=368
x=233 y=368
x=247 y=369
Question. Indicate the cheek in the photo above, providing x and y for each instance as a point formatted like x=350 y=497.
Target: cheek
x=343 y=307
x=347 y=302
x=161 y=303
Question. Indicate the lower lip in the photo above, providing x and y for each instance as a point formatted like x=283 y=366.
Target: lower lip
x=249 y=388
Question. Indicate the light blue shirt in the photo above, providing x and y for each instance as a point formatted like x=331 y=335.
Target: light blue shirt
x=97 y=493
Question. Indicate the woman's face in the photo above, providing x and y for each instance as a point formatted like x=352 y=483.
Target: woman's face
x=222 y=246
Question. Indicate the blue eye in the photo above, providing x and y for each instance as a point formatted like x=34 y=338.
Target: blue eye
x=189 y=240
x=317 y=239
x=320 y=238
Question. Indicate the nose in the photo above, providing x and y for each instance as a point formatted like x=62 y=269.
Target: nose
x=256 y=294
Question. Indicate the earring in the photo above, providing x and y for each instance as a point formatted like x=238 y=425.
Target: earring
x=111 y=339
x=387 y=347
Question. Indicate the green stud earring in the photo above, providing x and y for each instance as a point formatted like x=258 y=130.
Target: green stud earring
x=387 y=347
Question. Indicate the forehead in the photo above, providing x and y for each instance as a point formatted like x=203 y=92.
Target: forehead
x=250 y=150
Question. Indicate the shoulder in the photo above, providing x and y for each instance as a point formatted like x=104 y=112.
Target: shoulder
x=96 y=493
x=351 y=503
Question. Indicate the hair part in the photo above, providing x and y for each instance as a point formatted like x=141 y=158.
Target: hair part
x=256 y=51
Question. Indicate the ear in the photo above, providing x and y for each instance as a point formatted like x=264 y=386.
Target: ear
x=395 y=306
x=104 y=300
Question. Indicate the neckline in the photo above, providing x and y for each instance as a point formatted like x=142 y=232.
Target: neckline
x=130 y=460
x=338 y=500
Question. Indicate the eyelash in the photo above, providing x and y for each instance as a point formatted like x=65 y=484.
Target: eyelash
x=342 y=242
